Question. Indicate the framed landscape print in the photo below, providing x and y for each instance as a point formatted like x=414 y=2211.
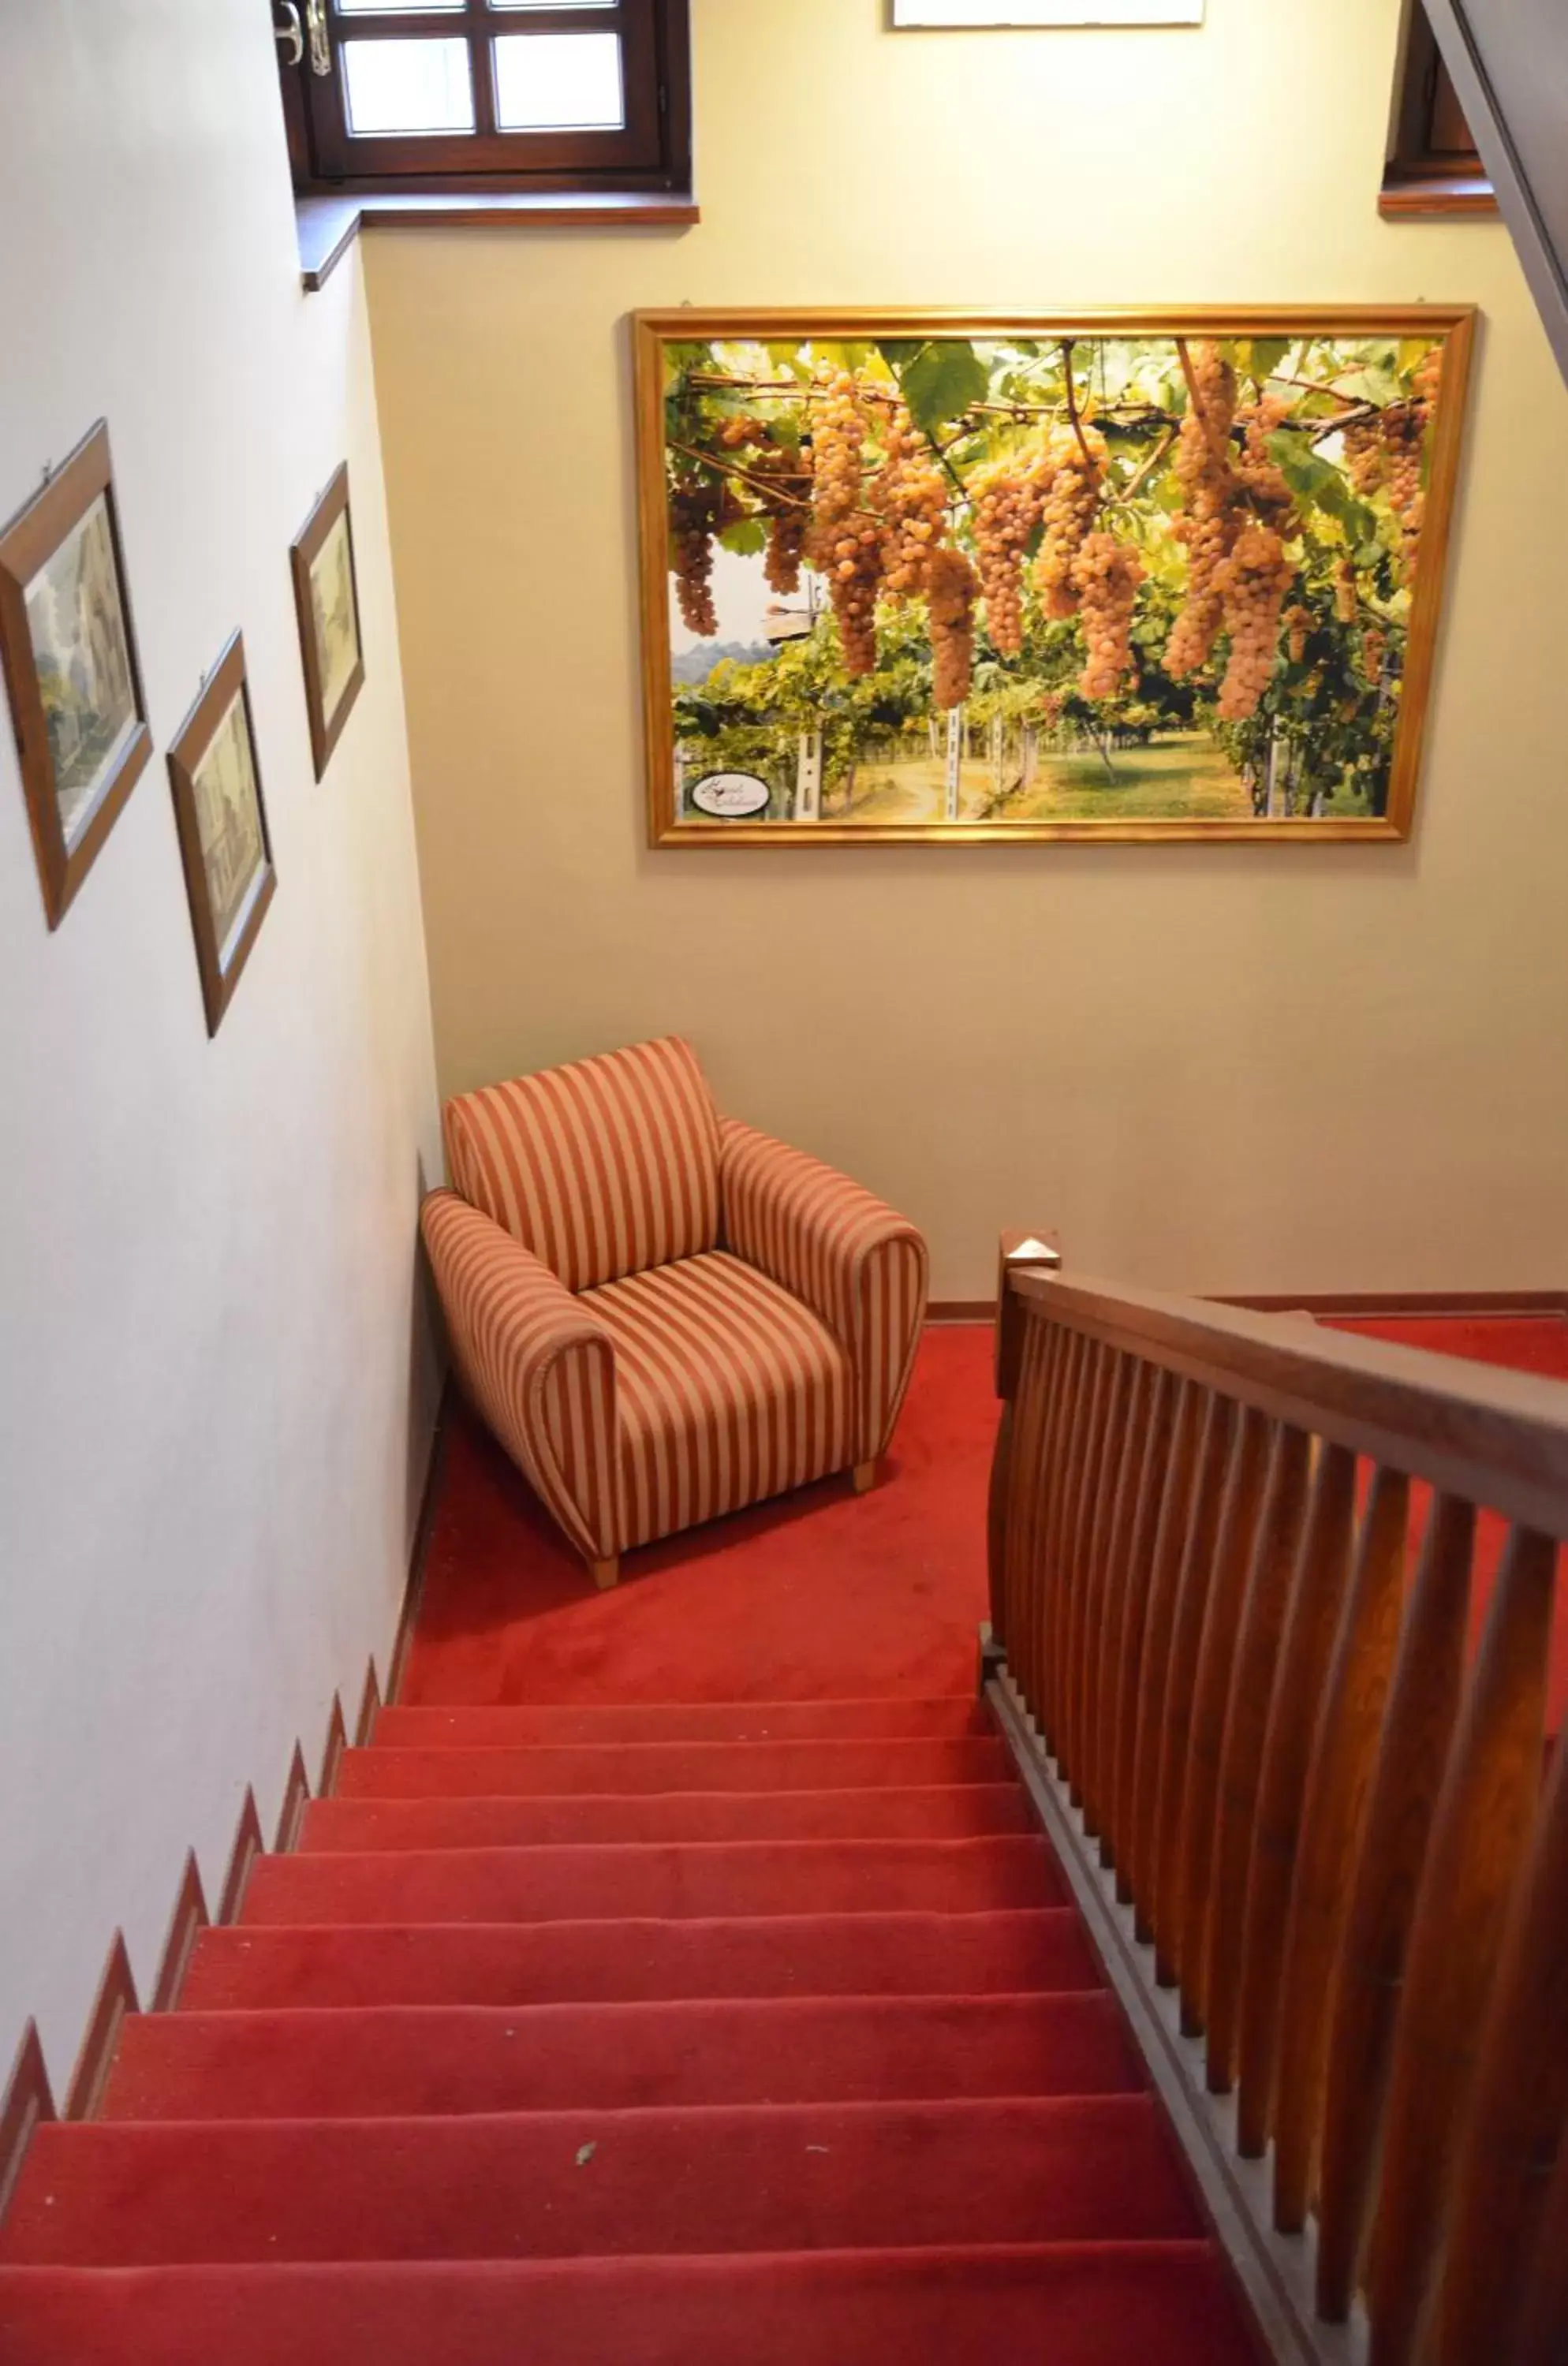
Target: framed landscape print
x=914 y=13
x=326 y=592
x=69 y=652
x=223 y=824
x=947 y=579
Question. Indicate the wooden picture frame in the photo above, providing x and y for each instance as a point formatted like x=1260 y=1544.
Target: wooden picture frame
x=1343 y=430
x=221 y=814
x=326 y=597
x=68 y=648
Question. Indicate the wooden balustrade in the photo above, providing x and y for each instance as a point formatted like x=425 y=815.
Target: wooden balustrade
x=1234 y=1563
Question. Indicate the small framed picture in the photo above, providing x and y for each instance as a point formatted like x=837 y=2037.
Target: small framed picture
x=977 y=13
x=326 y=592
x=69 y=654
x=223 y=824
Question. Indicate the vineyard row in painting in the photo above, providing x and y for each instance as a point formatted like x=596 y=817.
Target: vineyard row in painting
x=915 y=577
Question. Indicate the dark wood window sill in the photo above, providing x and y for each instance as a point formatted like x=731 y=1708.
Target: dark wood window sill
x=329 y=226
x=1408 y=192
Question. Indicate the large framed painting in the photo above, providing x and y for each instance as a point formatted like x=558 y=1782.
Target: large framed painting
x=224 y=843
x=953 y=580
x=326 y=595
x=69 y=654
x=948 y=13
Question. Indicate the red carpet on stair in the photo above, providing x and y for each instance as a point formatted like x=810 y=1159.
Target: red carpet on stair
x=676 y=1978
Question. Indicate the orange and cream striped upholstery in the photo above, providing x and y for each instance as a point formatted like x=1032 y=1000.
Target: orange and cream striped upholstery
x=601 y=1168
x=832 y=1245
x=662 y=1318
x=727 y=1390
x=536 y=1364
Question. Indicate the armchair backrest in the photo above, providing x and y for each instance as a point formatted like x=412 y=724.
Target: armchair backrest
x=601 y=1168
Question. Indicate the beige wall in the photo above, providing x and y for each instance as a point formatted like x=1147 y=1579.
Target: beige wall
x=1213 y=1068
x=215 y=1386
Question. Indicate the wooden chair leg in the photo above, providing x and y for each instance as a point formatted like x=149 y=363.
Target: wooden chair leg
x=606 y=1574
x=865 y=1477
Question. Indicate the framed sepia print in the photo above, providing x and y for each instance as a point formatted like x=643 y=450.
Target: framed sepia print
x=326 y=594
x=949 y=12
x=221 y=818
x=949 y=578
x=69 y=653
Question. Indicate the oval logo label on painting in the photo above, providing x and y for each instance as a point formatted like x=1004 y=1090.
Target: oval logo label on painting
x=730 y=795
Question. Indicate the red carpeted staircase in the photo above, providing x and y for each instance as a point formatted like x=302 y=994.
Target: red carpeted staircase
x=632 y=2036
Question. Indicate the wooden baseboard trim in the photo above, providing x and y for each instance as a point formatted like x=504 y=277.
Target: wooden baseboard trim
x=331 y=1754
x=414 y=1592
x=186 y=1926
x=26 y=2103
x=117 y=1997
x=369 y=1705
x=1395 y=1303
x=962 y=1310
x=248 y=1845
x=296 y=1799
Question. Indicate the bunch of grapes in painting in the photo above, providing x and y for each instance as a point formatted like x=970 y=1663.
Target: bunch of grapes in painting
x=979 y=579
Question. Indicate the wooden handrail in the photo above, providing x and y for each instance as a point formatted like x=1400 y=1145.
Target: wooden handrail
x=1233 y=1577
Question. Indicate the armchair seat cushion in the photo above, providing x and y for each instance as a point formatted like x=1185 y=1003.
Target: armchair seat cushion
x=728 y=1390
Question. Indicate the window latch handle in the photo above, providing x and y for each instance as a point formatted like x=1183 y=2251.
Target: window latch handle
x=321 y=48
x=290 y=40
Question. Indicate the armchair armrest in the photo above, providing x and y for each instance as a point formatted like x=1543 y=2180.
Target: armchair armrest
x=855 y=1263
x=536 y=1364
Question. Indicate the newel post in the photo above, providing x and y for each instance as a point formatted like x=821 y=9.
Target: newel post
x=1022 y=1253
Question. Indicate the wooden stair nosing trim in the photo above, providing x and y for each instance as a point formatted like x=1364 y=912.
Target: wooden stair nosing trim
x=186 y=1924
x=27 y=2100
x=369 y=1704
x=248 y=1845
x=296 y=1799
x=332 y=1753
x=1352 y=1303
x=117 y=1997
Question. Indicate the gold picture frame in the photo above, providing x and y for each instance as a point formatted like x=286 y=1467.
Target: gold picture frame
x=221 y=814
x=68 y=650
x=1327 y=445
x=326 y=597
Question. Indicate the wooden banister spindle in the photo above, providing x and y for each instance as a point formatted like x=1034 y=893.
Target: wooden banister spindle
x=1031 y=1431
x=1419 y=1726
x=1075 y=1554
x=1128 y=1625
x=1164 y=1577
x=1245 y=1481
x=1343 y=1755
x=1084 y=1609
x=1068 y=1451
x=1215 y=1462
x=1016 y=1459
x=1100 y=1653
x=1544 y=2310
x=1518 y=2128
x=1317 y=1593
x=1262 y=1625
x=1480 y=1836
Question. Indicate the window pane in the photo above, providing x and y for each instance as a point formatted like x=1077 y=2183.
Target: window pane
x=408 y=87
x=403 y=7
x=540 y=4
x=558 y=82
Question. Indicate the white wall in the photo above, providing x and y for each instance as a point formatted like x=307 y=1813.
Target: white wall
x=215 y=1389
x=1226 y=1068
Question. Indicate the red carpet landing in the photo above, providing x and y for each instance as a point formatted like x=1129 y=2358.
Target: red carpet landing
x=675 y=1981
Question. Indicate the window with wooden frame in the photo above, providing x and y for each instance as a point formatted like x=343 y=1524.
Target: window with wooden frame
x=1434 y=167
x=487 y=94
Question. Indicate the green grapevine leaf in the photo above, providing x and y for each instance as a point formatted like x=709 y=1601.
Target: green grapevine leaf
x=942 y=382
x=897 y=351
x=745 y=537
x=1267 y=353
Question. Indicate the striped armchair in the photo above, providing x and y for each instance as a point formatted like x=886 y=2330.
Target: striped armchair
x=662 y=1315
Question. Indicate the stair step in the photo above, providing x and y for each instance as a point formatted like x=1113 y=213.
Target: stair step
x=954 y=1811
x=402 y=2061
x=547 y=1769
x=1104 y=2304
x=569 y=2185
x=597 y=1723
x=670 y=1878
x=254 y=1967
